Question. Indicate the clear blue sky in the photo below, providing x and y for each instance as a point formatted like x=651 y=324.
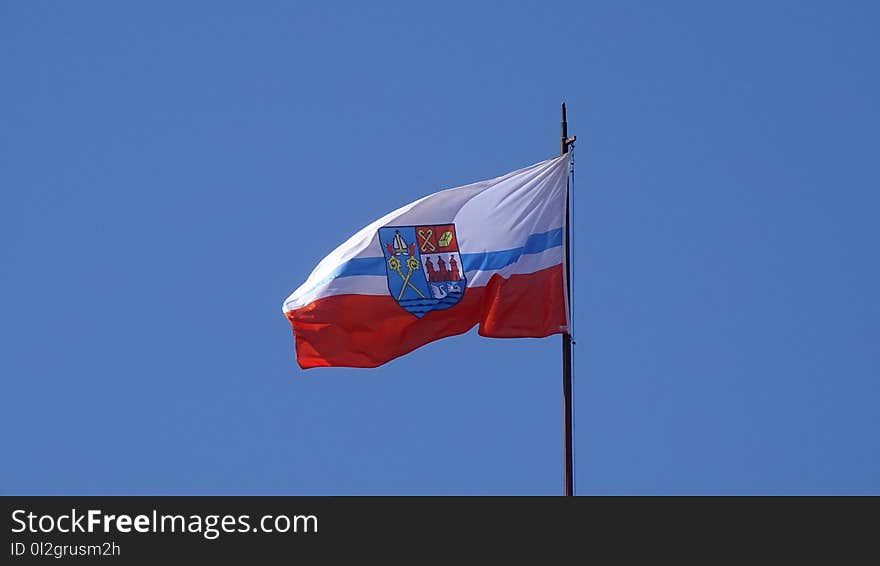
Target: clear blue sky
x=172 y=171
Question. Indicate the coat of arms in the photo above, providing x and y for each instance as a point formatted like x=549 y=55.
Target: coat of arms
x=423 y=266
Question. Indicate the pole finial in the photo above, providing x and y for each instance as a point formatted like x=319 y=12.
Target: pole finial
x=563 y=145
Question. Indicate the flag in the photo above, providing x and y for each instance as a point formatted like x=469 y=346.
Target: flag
x=490 y=254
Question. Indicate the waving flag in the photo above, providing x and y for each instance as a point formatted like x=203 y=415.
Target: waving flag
x=490 y=254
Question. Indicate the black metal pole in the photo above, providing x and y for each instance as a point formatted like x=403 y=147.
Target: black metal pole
x=566 y=339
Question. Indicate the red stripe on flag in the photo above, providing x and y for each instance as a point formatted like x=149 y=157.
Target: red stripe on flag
x=370 y=330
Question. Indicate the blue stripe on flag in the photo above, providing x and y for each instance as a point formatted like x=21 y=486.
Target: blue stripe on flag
x=484 y=261
x=536 y=243
x=360 y=266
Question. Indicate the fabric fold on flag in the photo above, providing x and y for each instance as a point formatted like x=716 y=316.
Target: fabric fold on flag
x=489 y=254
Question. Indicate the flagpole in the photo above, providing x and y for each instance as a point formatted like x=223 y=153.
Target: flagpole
x=566 y=337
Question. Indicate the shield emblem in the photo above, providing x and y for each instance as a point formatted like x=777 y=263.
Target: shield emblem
x=423 y=267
